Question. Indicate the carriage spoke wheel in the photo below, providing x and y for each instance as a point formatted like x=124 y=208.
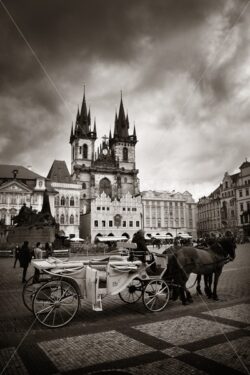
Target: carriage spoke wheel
x=28 y=293
x=156 y=295
x=30 y=288
x=133 y=291
x=55 y=303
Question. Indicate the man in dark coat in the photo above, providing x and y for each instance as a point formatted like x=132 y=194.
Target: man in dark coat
x=141 y=250
x=25 y=258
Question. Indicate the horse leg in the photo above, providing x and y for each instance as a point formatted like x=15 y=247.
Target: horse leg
x=216 y=279
x=183 y=295
x=207 y=286
x=188 y=296
x=198 y=286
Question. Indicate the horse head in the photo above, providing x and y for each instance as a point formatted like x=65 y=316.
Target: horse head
x=229 y=245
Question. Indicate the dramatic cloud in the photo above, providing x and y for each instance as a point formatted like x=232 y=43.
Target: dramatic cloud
x=183 y=67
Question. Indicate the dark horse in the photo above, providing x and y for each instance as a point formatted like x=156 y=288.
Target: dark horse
x=189 y=260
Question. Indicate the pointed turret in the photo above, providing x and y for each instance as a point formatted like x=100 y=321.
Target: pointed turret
x=134 y=133
x=89 y=118
x=71 y=134
x=78 y=116
x=116 y=127
x=84 y=113
x=94 y=130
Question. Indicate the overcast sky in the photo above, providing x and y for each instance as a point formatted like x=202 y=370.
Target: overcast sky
x=183 y=67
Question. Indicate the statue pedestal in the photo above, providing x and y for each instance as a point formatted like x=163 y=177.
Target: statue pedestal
x=33 y=235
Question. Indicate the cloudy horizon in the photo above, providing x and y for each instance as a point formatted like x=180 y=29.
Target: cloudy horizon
x=183 y=68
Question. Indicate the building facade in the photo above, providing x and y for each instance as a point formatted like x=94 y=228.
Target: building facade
x=19 y=186
x=165 y=212
x=228 y=207
x=66 y=204
x=107 y=175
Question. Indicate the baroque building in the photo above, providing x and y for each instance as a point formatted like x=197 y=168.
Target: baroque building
x=18 y=186
x=169 y=213
x=110 y=202
x=228 y=207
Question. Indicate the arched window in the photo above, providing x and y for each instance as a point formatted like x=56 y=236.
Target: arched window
x=72 y=201
x=62 y=219
x=105 y=186
x=57 y=200
x=84 y=185
x=71 y=219
x=85 y=151
x=62 y=201
x=125 y=153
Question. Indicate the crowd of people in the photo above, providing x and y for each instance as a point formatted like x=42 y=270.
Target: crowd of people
x=23 y=255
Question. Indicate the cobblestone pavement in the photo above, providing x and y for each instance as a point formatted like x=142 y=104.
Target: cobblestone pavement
x=205 y=337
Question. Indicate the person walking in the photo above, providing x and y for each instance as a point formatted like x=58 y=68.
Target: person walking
x=16 y=254
x=38 y=254
x=24 y=258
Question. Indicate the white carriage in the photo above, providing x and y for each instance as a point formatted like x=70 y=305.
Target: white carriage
x=62 y=285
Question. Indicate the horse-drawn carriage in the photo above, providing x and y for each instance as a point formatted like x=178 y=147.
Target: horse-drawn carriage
x=55 y=298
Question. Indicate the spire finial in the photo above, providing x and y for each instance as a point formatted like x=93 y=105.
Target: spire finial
x=121 y=94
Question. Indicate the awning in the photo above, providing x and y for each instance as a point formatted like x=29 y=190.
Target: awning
x=162 y=237
x=184 y=235
x=76 y=239
x=112 y=239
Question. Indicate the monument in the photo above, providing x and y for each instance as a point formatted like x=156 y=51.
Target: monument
x=33 y=226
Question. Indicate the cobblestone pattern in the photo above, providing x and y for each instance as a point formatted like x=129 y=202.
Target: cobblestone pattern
x=184 y=330
x=240 y=313
x=169 y=366
x=175 y=351
x=11 y=363
x=234 y=354
x=87 y=350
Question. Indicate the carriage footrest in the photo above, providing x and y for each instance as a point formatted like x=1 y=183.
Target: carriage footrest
x=97 y=306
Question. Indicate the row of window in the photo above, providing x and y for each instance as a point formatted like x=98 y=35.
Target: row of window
x=65 y=220
x=66 y=201
x=241 y=192
x=165 y=203
x=16 y=199
x=242 y=206
x=123 y=208
x=110 y=224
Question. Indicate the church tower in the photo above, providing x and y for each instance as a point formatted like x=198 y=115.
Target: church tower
x=82 y=140
x=123 y=144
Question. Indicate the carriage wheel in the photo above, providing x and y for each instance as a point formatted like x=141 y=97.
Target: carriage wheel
x=156 y=295
x=55 y=303
x=30 y=288
x=133 y=291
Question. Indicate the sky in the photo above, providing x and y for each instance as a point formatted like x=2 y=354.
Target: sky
x=183 y=68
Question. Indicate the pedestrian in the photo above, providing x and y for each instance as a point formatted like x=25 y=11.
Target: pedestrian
x=48 y=250
x=24 y=258
x=38 y=254
x=16 y=254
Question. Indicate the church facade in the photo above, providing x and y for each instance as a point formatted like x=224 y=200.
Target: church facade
x=110 y=201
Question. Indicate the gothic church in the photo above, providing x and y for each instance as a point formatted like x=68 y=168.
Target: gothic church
x=110 y=196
